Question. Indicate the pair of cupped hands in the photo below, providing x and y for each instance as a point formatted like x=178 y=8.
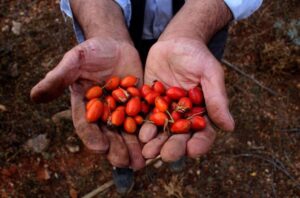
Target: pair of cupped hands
x=181 y=62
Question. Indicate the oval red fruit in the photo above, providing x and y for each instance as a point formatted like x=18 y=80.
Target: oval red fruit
x=184 y=105
x=159 y=119
x=105 y=113
x=120 y=95
x=93 y=92
x=145 y=89
x=89 y=103
x=150 y=97
x=117 y=117
x=176 y=115
x=144 y=108
x=112 y=83
x=167 y=99
x=161 y=104
x=133 y=91
x=198 y=123
x=129 y=81
x=175 y=93
x=133 y=106
x=196 y=95
x=158 y=87
x=130 y=125
x=111 y=102
x=139 y=119
x=95 y=111
x=181 y=126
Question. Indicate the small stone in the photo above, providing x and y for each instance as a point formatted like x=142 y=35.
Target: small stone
x=72 y=145
x=5 y=28
x=2 y=108
x=73 y=193
x=43 y=174
x=198 y=172
x=158 y=164
x=38 y=144
x=16 y=27
x=253 y=174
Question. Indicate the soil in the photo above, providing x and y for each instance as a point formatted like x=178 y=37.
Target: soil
x=260 y=159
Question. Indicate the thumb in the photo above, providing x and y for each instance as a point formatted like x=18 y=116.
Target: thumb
x=216 y=101
x=54 y=83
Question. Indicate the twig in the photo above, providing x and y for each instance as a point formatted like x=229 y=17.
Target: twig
x=275 y=162
x=292 y=130
x=110 y=183
x=248 y=76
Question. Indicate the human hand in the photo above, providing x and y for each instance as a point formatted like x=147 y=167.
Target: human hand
x=186 y=63
x=94 y=61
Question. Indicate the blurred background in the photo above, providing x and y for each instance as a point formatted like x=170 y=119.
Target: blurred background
x=40 y=156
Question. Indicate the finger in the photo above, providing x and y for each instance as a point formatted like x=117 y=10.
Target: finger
x=89 y=133
x=147 y=132
x=213 y=86
x=174 y=148
x=117 y=154
x=135 y=151
x=201 y=141
x=54 y=83
x=153 y=147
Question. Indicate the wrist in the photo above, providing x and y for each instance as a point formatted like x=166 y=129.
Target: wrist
x=101 y=19
x=198 y=20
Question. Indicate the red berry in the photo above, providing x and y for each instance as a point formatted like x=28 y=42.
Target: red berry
x=198 y=123
x=196 y=95
x=181 y=126
x=175 y=93
x=133 y=106
x=158 y=87
x=159 y=119
x=184 y=105
x=161 y=104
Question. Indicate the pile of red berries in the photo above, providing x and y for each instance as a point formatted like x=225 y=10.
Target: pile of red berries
x=120 y=103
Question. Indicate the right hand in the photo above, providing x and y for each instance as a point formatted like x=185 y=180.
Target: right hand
x=95 y=60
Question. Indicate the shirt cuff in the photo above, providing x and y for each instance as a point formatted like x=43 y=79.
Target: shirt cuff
x=126 y=8
x=242 y=9
x=67 y=11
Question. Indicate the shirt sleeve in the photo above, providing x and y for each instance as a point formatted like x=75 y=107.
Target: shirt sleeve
x=67 y=11
x=242 y=9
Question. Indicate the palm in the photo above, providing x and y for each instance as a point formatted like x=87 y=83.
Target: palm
x=187 y=63
x=93 y=62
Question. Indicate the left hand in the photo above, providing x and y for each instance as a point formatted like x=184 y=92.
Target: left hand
x=186 y=63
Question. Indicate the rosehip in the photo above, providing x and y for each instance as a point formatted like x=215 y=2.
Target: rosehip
x=150 y=97
x=93 y=92
x=144 y=108
x=112 y=83
x=129 y=81
x=138 y=119
x=111 y=102
x=130 y=125
x=155 y=110
x=196 y=95
x=161 y=104
x=133 y=106
x=196 y=111
x=120 y=95
x=198 y=123
x=145 y=89
x=173 y=106
x=181 y=126
x=133 y=91
x=95 y=111
x=158 y=87
x=89 y=103
x=176 y=115
x=175 y=93
x=105 y=113
x=117 y=117
x=167 y=99
x=159 y=119
x=184 y=105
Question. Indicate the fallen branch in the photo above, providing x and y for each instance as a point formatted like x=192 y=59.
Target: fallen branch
x=225 y=62
x=292 y=130
x=110 y=183
x=275 y=162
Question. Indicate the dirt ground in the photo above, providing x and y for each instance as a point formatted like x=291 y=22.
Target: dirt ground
x=260 y=159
